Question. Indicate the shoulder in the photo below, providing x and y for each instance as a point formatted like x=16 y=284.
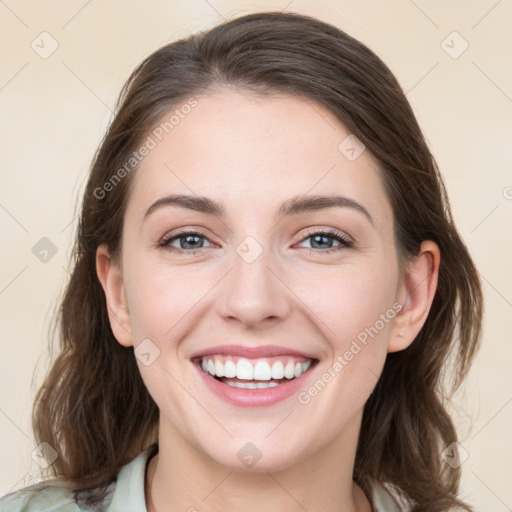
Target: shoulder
x=55 y=496
x=124 y=494
x=386 y=498
x=52 y=496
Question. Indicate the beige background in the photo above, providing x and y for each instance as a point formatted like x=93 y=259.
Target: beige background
x=55 y=111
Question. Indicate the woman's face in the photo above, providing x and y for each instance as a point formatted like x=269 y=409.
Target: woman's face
x=261 y=271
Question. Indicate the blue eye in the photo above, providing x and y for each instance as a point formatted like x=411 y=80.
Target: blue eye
x=190 y=241
x=188 y=236
x=320 y=238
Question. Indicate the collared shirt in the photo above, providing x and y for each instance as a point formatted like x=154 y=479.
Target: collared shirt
x=126 y=494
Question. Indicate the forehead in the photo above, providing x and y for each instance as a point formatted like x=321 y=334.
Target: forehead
x=249 y=151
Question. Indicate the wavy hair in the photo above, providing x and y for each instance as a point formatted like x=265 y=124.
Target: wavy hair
x=93 y=406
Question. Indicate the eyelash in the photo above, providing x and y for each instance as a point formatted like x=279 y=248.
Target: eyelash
x=345 y=243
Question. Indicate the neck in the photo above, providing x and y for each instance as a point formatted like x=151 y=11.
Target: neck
x=182 y=478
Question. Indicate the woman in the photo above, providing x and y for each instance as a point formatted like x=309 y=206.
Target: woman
x=267 y=285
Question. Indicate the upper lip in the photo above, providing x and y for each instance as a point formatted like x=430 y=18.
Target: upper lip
x=251 y=352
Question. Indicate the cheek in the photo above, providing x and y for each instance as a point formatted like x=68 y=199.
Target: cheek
x=350 y=299
x=160 y=297
x=357 y=309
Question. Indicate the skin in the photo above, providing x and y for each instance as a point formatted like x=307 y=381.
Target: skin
x=252 y=153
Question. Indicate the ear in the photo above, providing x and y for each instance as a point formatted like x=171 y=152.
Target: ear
x=111 y=279
x=416 y=293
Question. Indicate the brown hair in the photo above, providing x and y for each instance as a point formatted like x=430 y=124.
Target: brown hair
x=94 y=408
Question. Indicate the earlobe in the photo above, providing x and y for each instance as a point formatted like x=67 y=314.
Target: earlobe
x=416 y=294
x=111 y=279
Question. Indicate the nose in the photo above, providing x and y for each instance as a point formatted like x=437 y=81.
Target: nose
x=254 y=292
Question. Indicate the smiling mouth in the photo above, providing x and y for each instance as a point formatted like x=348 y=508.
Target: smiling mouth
x=261 y=373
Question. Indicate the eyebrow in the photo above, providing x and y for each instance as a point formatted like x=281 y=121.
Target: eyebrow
x=292 y=206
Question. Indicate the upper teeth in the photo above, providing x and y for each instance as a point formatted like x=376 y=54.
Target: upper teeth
x=259 y=369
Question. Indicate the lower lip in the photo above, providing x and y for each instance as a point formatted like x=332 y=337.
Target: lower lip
x=259 y=397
